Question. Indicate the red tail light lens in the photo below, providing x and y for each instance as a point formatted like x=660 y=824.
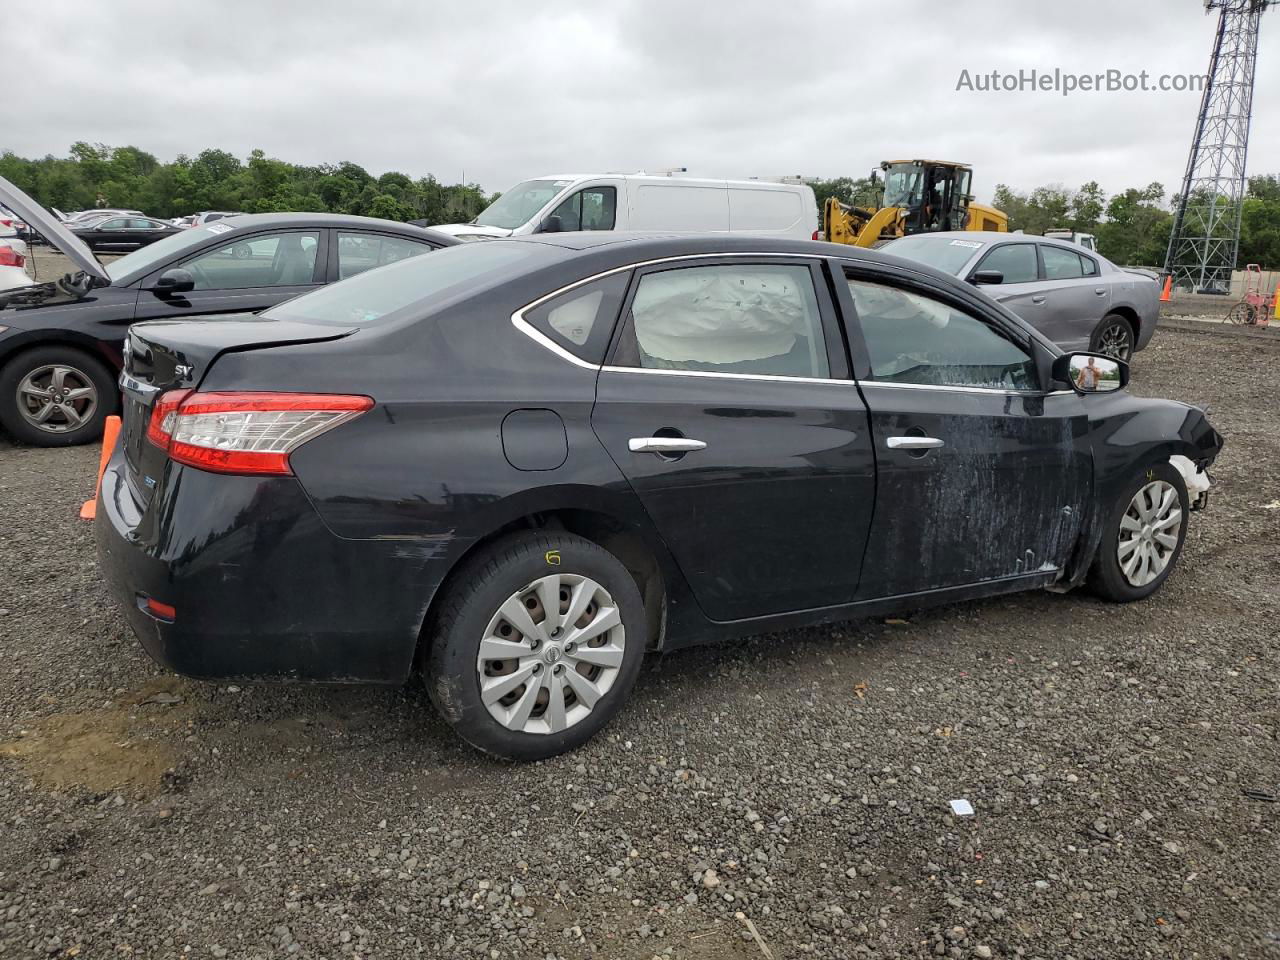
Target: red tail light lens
x=10 y=257
x=816 y=235
x=245 y=432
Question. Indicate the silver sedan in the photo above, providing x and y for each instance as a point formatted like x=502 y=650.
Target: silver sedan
x=1080 y=300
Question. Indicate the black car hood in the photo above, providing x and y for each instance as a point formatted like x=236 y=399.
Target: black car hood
x=49 y=227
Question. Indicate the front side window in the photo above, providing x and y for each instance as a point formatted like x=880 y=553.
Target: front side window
x=1061 y=264
x=918 y=340
x=358 y=252
x=740 y=318
x=594 y=208
x=274 y=260
x=1017 y=261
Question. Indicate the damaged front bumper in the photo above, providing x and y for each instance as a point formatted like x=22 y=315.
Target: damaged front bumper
x=1197 y=481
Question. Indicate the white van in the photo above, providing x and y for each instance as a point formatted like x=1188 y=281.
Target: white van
x=1086 y=240
x=640 y=203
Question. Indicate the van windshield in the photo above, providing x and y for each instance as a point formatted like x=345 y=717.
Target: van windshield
x=519 y=204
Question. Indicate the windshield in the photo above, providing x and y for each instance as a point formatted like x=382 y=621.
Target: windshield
x=519 y=204
x=410 y=286
x=131 y=266
x=902 y=185
x=941 y=253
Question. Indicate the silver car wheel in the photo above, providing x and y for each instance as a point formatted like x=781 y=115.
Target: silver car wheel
x=550 y=653
x=57 y=398
x=1149 y=533
x=1116 y=340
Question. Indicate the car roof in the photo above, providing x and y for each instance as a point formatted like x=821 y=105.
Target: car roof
x=612 y=248
x=995 y=236
x=332 y=220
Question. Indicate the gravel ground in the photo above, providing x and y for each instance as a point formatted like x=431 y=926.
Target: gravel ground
x=796 y=786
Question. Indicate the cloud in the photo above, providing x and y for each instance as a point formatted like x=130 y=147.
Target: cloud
x=499 y=91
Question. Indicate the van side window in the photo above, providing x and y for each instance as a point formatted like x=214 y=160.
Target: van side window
x=581 y=320
x=594 y=208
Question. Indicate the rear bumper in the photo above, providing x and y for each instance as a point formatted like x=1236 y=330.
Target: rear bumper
x=261 y=588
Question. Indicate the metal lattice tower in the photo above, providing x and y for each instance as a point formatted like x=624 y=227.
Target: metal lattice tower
x=1206 y=231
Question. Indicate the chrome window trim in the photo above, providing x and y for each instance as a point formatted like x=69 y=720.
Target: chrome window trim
x=537 y=336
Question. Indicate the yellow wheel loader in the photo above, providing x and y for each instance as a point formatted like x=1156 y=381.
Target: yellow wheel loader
x=917 y=196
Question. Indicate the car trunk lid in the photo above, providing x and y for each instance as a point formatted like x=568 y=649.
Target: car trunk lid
x=48 y=226
x=165 y=355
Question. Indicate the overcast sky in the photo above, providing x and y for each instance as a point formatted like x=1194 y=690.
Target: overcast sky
x=500 y=91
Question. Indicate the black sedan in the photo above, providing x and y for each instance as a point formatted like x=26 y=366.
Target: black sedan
x=524 y=464
x=60 y=342
x=122 y=233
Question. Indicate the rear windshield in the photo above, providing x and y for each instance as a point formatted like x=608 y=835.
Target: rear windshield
x=406 y=288
x=942 y=253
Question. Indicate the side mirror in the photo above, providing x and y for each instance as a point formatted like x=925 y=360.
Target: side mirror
x=176 y=280
x=986 y=276
x=1091 y=372
x=551 y=225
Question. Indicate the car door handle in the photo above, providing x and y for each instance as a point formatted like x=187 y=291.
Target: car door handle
x=1040 y=299
x=664 y=445
x=1100 y=291
x=913 y=443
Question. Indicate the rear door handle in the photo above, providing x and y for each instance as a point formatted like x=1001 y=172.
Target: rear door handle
x=913 y=443
x=664 y=445
x=1100 y=291
x=1039 y=299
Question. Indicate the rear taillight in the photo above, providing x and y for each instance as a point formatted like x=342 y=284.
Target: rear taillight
x=816 y=235
x=245 y=432
x=10 y=257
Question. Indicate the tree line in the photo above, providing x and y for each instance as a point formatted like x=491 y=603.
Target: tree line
x=126 y=177
x=1132 y=227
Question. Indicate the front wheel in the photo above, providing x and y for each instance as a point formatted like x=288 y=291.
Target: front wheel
x=55 y=396
x=1113 y=337
x=537 y=644
x=1143 y=537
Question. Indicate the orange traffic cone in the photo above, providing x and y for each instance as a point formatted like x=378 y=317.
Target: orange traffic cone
x=1168 y=289
x=110 y=430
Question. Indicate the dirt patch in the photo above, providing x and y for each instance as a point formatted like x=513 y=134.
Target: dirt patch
x=128 y=746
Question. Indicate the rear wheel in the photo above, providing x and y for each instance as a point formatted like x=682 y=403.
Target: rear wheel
x=1143 y=536
x=1113 y=337
x=538 y=643
x=55 y=396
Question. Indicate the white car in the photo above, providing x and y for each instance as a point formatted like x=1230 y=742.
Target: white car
x=208 y=216
x=13 y=264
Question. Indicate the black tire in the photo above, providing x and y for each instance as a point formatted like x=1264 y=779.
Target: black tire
x=1106 y=578
x=474 y=595
x=86 y=367
x=1114 y=336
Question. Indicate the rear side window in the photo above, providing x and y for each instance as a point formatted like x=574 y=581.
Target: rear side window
x=739 y=318
x=581 y=320
x=1017 y=261
x=358 y=252
x=1061 y=264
